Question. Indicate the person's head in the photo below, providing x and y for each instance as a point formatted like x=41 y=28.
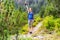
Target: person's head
x=30 y=9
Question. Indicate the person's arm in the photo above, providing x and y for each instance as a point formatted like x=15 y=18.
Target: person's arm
x=26 y=4
x=27 y=9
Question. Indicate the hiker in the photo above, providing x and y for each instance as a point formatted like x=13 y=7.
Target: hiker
x=30 y=19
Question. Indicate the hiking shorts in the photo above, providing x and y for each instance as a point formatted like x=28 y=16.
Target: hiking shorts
x=30 y=23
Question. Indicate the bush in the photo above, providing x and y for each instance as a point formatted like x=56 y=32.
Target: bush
x=48 y=22
x=57 y=26
x=37 y=19
x=24 y=29
x=34 y=24
x=52 y=24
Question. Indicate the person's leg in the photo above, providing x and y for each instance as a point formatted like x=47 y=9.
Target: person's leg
x=29 y=25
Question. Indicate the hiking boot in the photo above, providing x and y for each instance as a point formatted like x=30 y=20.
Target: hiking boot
x=30 y=32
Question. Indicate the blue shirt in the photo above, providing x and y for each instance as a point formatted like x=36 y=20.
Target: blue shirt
x=30 y=16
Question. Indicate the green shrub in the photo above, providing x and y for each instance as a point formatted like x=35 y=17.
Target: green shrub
x=24 y=29
x=52 y=24
x=57 y=26
x=37 y=19
x=48 y=22
x=34 y=24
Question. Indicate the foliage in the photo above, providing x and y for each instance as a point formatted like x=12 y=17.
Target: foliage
x=11 y=19
x=52 y=24
x=57 y=26
x=24 y=29
x=50 y=8
x=48 y=22
x=37 y=19
x=14 y=20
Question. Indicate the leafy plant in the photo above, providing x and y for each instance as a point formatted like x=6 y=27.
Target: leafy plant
x=48 y=22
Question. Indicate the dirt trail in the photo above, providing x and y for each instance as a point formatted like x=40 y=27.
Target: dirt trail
x=33 y=31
